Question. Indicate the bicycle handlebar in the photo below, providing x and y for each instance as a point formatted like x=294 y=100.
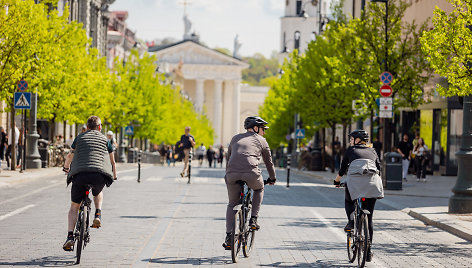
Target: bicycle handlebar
x=269 y=181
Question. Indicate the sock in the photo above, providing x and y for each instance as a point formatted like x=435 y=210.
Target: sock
x=98 y=211
x=70 y=234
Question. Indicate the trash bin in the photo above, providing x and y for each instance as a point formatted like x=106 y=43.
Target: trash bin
x=43 y=152
x=392 y=171
x=316 y=160
x=132 y=155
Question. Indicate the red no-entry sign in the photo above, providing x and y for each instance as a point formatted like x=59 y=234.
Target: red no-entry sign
x=386 y=90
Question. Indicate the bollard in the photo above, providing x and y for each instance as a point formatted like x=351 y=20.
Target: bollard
x=289 y=159
x=190 y=154
x=139 y=166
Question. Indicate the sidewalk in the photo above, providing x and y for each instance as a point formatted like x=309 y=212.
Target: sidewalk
x=427 y=202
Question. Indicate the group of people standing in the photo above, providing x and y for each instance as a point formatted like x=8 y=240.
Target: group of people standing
x=416 y=150
x=213 y=156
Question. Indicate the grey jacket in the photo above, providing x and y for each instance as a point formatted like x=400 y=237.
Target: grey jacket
x=363 y=179
x=91 y=155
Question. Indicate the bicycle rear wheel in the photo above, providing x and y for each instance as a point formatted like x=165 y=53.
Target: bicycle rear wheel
x=363 y=241
x=80 y=240
x=351 y=247
x=236 y=237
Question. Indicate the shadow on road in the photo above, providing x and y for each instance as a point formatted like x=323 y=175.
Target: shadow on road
x=220 y=260
x=319 y=263
x=48 y=261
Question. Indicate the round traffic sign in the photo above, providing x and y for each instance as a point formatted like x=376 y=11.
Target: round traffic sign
x=386 y=78
x=386 y=90
x=22 y=85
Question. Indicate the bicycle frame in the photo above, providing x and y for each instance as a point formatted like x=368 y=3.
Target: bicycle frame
x=84 y=211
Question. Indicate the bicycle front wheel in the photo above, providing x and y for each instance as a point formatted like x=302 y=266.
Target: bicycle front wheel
x=363 y=241
x=80 y=240
x=236 y=237
x=351 y=247
x=249 y=234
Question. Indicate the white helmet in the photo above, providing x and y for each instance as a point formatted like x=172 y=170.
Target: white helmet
x=110 y=133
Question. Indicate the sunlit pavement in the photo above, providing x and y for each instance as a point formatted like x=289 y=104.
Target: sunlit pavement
x=165 y=222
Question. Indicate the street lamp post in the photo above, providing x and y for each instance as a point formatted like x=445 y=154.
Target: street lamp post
x=461 y=200
x=33 y=158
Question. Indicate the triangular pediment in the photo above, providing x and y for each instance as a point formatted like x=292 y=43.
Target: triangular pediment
x=190 y=52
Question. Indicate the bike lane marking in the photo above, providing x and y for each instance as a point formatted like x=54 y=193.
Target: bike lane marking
x=150 y=249
x=14 y=212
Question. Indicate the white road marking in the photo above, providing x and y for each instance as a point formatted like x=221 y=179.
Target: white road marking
x=32 y=192
x=154 y=179
x=128 y=178
x=18 y=211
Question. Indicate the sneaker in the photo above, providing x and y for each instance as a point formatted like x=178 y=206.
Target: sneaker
x=418 y=180
x=349 y=226
x=69 y=244
x=370 y=255
x=182 y=174
x=97 y=222
x=423 y=180
x=227 y=243
x=253 y=223
x=405 y=179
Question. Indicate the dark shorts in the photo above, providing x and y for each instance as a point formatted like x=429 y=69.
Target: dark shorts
x=79 y=181
x=200 y=157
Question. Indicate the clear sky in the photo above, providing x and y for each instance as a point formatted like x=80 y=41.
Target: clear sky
x=257 y=22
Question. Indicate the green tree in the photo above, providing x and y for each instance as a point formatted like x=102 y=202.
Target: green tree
x=449 y=49
x=260 y=68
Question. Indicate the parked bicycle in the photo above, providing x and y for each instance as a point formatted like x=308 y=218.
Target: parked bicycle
x=242 y=235
x=82 y=228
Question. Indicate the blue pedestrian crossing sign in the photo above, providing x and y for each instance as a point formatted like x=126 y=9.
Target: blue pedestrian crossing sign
x=129 y=130
x=300 y=133
x=22 y=100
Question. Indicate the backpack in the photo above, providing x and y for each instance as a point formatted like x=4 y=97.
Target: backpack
x=363 y=179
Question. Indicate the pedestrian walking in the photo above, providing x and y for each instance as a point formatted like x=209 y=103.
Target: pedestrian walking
x=187 y=143
x=3 y=143
x=9 y=140
x=112 y=140
x=421 y=158
x=221 y=155
x=169 y=155
x=201 y=153
x=404 y=149
x=377 y=147
x=210 y=154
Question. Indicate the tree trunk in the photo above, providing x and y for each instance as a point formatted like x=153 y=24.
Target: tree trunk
x=64 y=131
x=52 y=130
x=323 y=151
x=371 y=125
x=333 y=128
x=344 y=136
x=12 y=138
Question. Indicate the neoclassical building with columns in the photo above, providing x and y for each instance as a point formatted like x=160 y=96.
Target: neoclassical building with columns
x=212 y=81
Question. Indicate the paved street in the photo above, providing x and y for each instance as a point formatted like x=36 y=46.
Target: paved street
x=164 y=222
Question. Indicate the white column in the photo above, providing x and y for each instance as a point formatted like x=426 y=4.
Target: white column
x=217 y=110
x=199 y=95
x=236 y=105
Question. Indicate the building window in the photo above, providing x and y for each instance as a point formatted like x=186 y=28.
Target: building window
x=299 y=7
x=297 y=41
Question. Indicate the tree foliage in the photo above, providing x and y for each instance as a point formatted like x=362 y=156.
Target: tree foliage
x=73 y=81
x=448 y=47
x=260 y=68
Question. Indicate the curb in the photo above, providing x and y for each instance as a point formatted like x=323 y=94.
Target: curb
x=440 y=225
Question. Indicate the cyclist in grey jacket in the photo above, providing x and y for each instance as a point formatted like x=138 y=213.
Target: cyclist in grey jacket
x=244 y=153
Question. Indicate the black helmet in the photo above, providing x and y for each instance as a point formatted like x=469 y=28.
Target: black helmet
x=361 y=134
x=253 y=121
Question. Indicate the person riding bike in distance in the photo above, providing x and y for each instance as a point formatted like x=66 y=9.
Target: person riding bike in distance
x=90 y=162
x=362 y=177
x=244 y=154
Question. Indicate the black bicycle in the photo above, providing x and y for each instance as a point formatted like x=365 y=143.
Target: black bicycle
x=358 y=242
x=242 y=235
x=82 y=228
x=190 y=155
